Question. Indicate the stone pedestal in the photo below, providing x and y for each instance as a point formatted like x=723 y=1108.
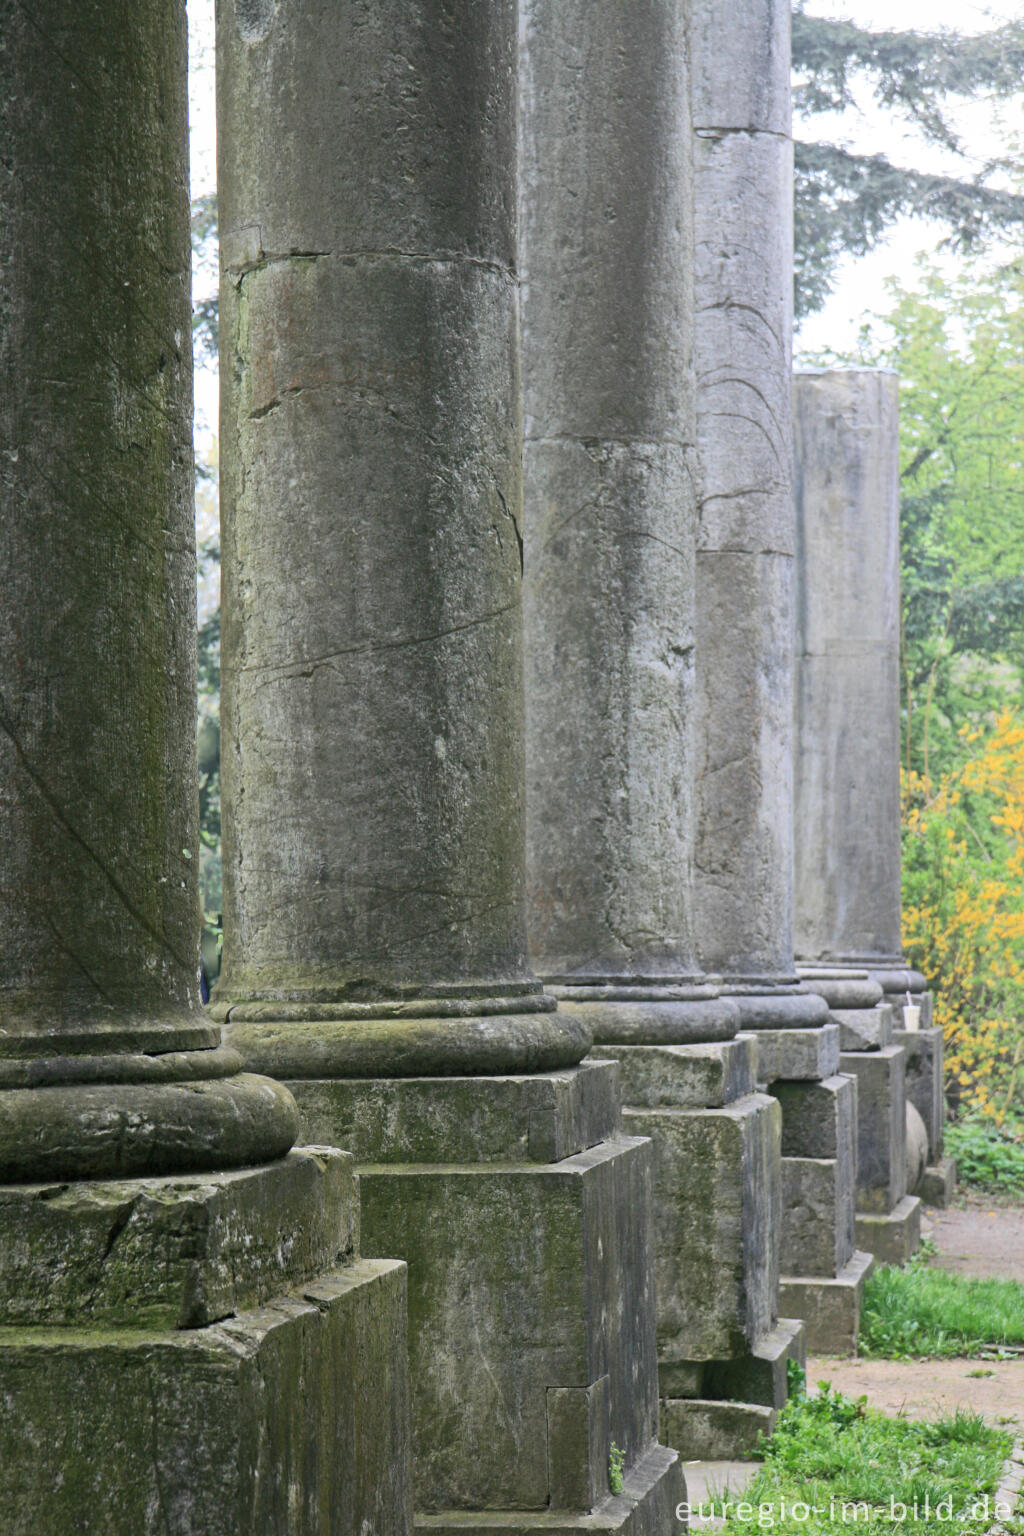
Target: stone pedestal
x=191 y=1354
x=375 y=948
x=189 y=1340
x=888 y=1219
x=722 y=1349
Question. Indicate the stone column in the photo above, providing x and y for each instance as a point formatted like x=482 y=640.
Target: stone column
x=374 y=868
x=611 y=512
x=145 y=1191
x=746 y=543
x=846 y=799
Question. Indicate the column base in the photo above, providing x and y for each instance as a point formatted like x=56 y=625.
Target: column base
x=651 y=1491
x=938 y=1183
x=829 y=1306
x=287 y=1411
x=522 y=1211
x=797 y=1055
x=705 y=1430
x=892 y=1237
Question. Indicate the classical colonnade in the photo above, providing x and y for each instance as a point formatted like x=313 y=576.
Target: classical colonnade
x=516 y=1154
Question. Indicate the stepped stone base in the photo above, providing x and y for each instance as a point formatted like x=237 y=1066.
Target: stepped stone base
x=286 y=1412
x=829 y=1307
x=717 y=1207
x=652 y=1489
x=924 y=1050
x=938 y=1183
x=522 y=1211
x=881 y=1127
x=893 y=1237
x=797 y=1055
x=705 y=1430
x=760 y=1376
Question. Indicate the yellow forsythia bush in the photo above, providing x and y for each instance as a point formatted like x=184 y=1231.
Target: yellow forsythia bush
x=963 y=912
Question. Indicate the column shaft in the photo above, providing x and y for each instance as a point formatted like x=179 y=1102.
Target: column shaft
x=98 y=823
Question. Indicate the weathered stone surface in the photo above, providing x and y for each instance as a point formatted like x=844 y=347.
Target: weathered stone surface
x=864 y=1029
x=99 y=917
x=521 y=1279
x=687 y=1076
x=288 y=1419
x=881 y=1128
x=610 y=496
x=643 y=1016
x=917 y=1148
x=705 y=1430
x=819 y=1119
x=173 y=1252
x=717 y=1208
x=652 y=1491
x=938 y=1183
x=744 y=629
x=818 y=1198
x=847 y=809
x=782 y=1007
x=371 y=366
x=798 y=1055
x=892 y=1237
x=465 y=1120
x=761 y=1375
x=830 y=1308
x=924 y=1051
x=842 y=988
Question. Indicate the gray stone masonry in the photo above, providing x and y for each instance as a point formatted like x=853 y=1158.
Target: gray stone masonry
x=611 y=513
x=846 y=797
x=375 y=951
x=189 y=1340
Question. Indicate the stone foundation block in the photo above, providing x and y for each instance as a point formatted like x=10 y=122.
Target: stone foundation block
x=817 y=1216
x=829 y=1306
x=290 y=1419
x=881 y=1127
x=864 y=1029
x=531 y=1309
x=652 y=1490
x=819 y=1119
x=717 y=1212
x=173 y=1252
x=924 y=1050
x=760 y=1376
x=687 y=1076
x=540 y=1118
x=797 y=1055
x=938 y=1183
x=894 y=1237
x=713 y=1431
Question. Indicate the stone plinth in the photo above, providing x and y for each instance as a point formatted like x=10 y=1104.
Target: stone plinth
x=524 y=1213
x=196 y=1354
x=924 y=1051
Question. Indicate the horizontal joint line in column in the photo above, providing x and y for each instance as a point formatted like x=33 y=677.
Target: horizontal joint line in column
x=423 y=258
x=594 y=439
x=719 y=130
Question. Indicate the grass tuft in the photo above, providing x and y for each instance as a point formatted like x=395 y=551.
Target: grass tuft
x=921 y=1313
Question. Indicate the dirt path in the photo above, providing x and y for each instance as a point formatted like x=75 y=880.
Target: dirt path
x=975 y=1237
x=922 y=1389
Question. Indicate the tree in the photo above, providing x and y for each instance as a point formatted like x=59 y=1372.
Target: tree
x=844 y=202
x=958 y=345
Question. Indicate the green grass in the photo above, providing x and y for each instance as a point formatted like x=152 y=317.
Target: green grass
x=832 y=1451
x=916 y=1312
x=988 y=1157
